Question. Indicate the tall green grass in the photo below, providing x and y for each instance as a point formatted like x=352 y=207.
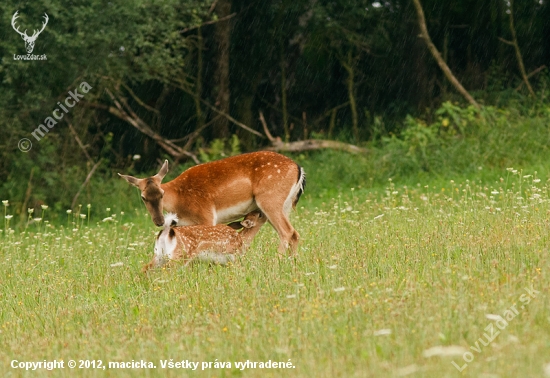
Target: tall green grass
x=382 y=276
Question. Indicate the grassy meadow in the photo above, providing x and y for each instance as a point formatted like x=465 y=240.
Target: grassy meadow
x=390 y=281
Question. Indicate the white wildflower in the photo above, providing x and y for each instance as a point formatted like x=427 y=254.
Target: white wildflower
x=407 y=370
x=382 y=332
x=451 y=350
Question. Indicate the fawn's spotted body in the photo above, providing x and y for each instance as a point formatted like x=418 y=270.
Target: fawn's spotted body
x=217 y=244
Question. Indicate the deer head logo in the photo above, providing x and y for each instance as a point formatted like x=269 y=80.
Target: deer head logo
x=29 y=41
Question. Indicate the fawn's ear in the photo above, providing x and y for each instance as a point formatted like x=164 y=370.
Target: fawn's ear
x=131 y=179
x=247 y=223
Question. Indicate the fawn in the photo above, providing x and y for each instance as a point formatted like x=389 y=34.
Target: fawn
x=217 y=244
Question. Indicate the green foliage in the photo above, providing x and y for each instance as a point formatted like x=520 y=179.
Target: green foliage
x=461 y=142
x=220 y=148
x=102 y=43
x=149 y=52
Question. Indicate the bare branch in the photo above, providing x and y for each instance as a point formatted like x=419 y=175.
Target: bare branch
x=191 y=136
x=266 y=130
x=208 y=23
x=88 y=177
x=139 y=101
x=506 y=41
x=213 y=6
x=533 y=73
x=437 y=56
x=329 y=112
x=518 y=51
x=127 y=114
x=212 y=107
x=78 y=141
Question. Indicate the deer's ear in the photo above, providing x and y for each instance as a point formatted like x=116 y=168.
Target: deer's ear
x=163 y=171
x=131 y=179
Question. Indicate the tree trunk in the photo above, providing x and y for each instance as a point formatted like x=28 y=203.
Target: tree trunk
x=243 y=109
x=221 y=76
x=283 y=96
x=198 y=84
x=349 y=66
x=420 y=75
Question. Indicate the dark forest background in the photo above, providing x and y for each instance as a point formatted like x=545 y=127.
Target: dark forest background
x=186 y=80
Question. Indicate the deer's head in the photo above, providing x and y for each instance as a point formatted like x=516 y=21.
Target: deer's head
x=29 y=41
x=151 y=192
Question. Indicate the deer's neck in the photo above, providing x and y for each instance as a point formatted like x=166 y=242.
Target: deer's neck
x=169 y=200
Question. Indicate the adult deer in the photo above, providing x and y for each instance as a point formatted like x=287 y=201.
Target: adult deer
x=225 y=190
x=29 y=41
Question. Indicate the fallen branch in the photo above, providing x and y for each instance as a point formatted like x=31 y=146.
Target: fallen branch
x=315 y=144
x=124 y=112
x=307 y=145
